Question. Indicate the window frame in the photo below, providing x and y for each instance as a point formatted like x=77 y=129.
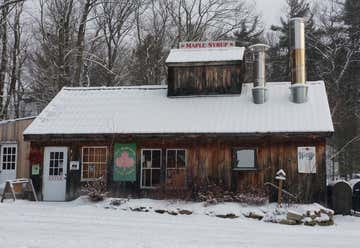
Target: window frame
x=82 y=162
x=176 y=168
x=8 y=145
x=234 y=156
x=151 y=169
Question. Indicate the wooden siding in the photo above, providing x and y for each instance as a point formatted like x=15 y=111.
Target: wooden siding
x=210 y=159
x=206 y=79
x=12 y=132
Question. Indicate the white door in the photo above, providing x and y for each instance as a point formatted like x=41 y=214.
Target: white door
x=8 y=163
x=55 y=166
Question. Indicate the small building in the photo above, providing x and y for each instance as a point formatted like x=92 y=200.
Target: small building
x=141 y=139
x=206 y=126
x=14 y=153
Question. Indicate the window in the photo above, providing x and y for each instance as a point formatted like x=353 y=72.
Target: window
x=94 y=161
x=56 y=163
x=176 y=168
x=245 y=159
x=8 y=157
x=150 y=168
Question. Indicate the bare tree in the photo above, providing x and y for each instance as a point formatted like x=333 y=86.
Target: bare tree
x=15 y=53
x=215 y=19
x=52 y=64
x=115 y=20
x=80 y=42
x=4 y=51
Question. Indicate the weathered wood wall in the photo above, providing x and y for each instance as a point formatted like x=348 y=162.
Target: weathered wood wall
x=206 y=79
x=210 y=159
x=12 y=132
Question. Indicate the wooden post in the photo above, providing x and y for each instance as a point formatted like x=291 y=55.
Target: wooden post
x=280 y=193
x=280 y=176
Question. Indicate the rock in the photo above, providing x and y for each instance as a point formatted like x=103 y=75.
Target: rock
x=293 y=215
x=255 y=215
x=326 y=223
x=310 y=214
x=308 y=221
x=186 y=212
x=324 y=220
x=289 y=222
x=160 y=211
x=117 y=202
x=328 y=213
x=140 y=209
x=227 y=216
x=172 y=212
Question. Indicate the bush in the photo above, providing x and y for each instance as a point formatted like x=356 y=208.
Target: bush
x=96 y=190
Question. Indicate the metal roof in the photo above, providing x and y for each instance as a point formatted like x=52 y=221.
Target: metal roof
x=147 y=110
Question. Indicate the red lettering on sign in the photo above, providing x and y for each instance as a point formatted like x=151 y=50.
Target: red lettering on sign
x=206 y=44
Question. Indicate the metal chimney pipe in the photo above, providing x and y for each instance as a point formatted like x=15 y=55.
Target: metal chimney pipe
x=259 y=91
x=299 y=88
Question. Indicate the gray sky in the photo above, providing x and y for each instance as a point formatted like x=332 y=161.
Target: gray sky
x=271 y=10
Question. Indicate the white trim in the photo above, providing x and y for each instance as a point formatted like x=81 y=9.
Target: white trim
x=12 y=144
x=82 y=162
x=47 y=191
x=141 y=167
x=176 y=167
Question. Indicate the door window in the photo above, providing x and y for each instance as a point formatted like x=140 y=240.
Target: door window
x=56 y=164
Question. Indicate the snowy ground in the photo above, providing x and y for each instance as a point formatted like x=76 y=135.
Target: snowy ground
x=79 y=223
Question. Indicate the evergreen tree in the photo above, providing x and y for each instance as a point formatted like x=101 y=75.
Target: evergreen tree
x=280 y=52
x=351 y=89
x=248 y=35
x=148 y=62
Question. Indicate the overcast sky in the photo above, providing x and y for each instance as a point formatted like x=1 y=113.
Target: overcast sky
x=270 y=10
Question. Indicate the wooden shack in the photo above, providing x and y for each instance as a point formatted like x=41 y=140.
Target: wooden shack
x=14 y=156
x=191 y=72
x=142 y=139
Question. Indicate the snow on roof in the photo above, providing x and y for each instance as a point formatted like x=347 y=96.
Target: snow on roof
x=16 y=119
x=206 y=55
x=148 y=110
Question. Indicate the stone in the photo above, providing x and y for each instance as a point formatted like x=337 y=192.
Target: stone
x=227 y=216
x=185 y=212
x=289 y=222
x=293 y=215
x=160 y=211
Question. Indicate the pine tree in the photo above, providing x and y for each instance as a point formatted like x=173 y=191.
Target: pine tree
x=148 y=62
x=248 y=35
x=280 y=52
x=351 y=89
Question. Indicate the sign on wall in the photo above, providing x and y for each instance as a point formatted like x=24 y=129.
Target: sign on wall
x=207 y=44
x=124 y=163
x=307 y=159
x=74 y=165
x=35 y=169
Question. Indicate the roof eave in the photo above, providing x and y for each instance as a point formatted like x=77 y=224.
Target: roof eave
x=105 y=136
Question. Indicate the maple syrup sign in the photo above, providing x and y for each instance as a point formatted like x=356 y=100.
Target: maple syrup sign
x=206 y=44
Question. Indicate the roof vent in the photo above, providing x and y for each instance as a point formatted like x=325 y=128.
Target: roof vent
x=299 y=88
x=259 y=92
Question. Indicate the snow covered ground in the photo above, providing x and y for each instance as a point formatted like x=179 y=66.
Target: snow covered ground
x=79 y=223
